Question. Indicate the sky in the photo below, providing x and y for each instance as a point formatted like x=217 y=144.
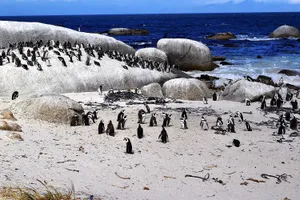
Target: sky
x=86 y=7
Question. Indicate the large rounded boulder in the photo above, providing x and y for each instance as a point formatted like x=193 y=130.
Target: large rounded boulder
x=243 y=89
x=284 y=32
x=187 y=54
x=152 y=90
x=50 y=108
x=152 y=54
x=185 y=88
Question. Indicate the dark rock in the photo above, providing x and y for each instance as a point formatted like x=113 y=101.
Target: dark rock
x=221 y=36
x=126 y=31
x=236 y=143
x=206 y=77
x=292 y=87
x=259 y=57
x=218 y=58
x=265 y=79
x=225 y=63
x=289 y=72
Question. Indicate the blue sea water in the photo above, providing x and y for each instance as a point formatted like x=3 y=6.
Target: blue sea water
x=251 y=30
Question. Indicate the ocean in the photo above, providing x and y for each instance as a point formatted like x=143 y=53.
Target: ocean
x=251 y=30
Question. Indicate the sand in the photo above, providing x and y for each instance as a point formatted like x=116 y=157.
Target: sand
x=51 y=152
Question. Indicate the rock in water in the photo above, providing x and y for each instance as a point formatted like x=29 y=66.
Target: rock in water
x=284 y=32
x=187 y=54
x=127 y=31
x=13 y=32
x=221 y=36
x=243 y=89
x=187 y=89
x=152 y=90
x=288 y=72
x=50 y=108
x=152 y=54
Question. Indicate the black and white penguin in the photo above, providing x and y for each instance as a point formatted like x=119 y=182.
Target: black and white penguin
x=166 y=119
x=147 y=107
x=128 y=146
x=141 y=116
x=75 y=120
x=287 y=116
x=273 y=101
x=294 y=123
x=120 y=119
x=231 y=125
x=183 y=123
x=15 y=95
x=183 y=114
x=294 y=103
x=140 y=132
x=101 y=128
x=203 y=123
x=163 y=135
x=248 y=127
x=153 y=121
x=215 y=96
x=205 y=100
x=240 y=116
x=279 y=101
x=248 y=102
x=281 y=129
x=110 y=130
x=219 y=122
x=263 y=104
x=85 y=119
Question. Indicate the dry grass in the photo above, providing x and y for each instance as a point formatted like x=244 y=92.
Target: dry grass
x=28 y=193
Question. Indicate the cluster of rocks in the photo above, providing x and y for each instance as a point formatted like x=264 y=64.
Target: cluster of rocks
x=9 y=127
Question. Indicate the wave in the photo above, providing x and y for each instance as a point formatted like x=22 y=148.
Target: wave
x=254 y=39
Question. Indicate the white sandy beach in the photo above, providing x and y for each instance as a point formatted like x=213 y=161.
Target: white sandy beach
x=50 y=152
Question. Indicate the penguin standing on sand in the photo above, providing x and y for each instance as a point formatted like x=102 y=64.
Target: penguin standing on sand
x=147 y=107
x=166 y=119
x=203 y=123
x=287 y=116
x=240 y=116
x=215 y=96
x=183 y=114
x=263 y=104
x=248 y=102
x=101 y=128
x=205 y=100
x=120 y=119
x=141 y=115
x=15 y=95
x=183 y=123
x=153 y=121
x=248 y=127
x=231 y=125
x=294 y=123
x=219 y=122
x=128 y=146
x=110 y=130
x=163 y=135
x=281 y=128
x=140 y=132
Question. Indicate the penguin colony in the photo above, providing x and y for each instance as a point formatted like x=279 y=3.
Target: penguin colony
x=37 y=54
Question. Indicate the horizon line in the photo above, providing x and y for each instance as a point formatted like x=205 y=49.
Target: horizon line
x=147 y=14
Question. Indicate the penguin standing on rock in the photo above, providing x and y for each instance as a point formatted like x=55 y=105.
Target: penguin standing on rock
x=294 y=104
x=140 y=132
x=101 y=128
x=163 y=135
x=128 y=146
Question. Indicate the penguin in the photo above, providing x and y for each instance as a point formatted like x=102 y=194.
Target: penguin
x=141 y=115
x=248 y=102
x=147 y=107
x=110 y=130
x=281 y=129
x=219 y=122
x=263 y=104
x=288 y=96
x=74 y=120
x=97 y=63
x=85 y=119
x=140 y=132
x=287 y=116
x=94 y=115
x=183 y=123
x=30 y=63
x=101 y=128
x=204 y=100
x=240 y=116
x=294 y=123
x=39 y=67
x=183 y=114
x=279 y=101
x=24 y=67
x=120 y=118
x=56 y=52
x=230 y=126
x=153 y=121
x=166 y=119
x=128 y=146
x=125 y=67
x=1 y=61
x=294 y=104
x=215 y=96
x=15 y=95
x=163 y=135
x=273 y=101
x=62 y=61
x=248 y=127
x=203 y=123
